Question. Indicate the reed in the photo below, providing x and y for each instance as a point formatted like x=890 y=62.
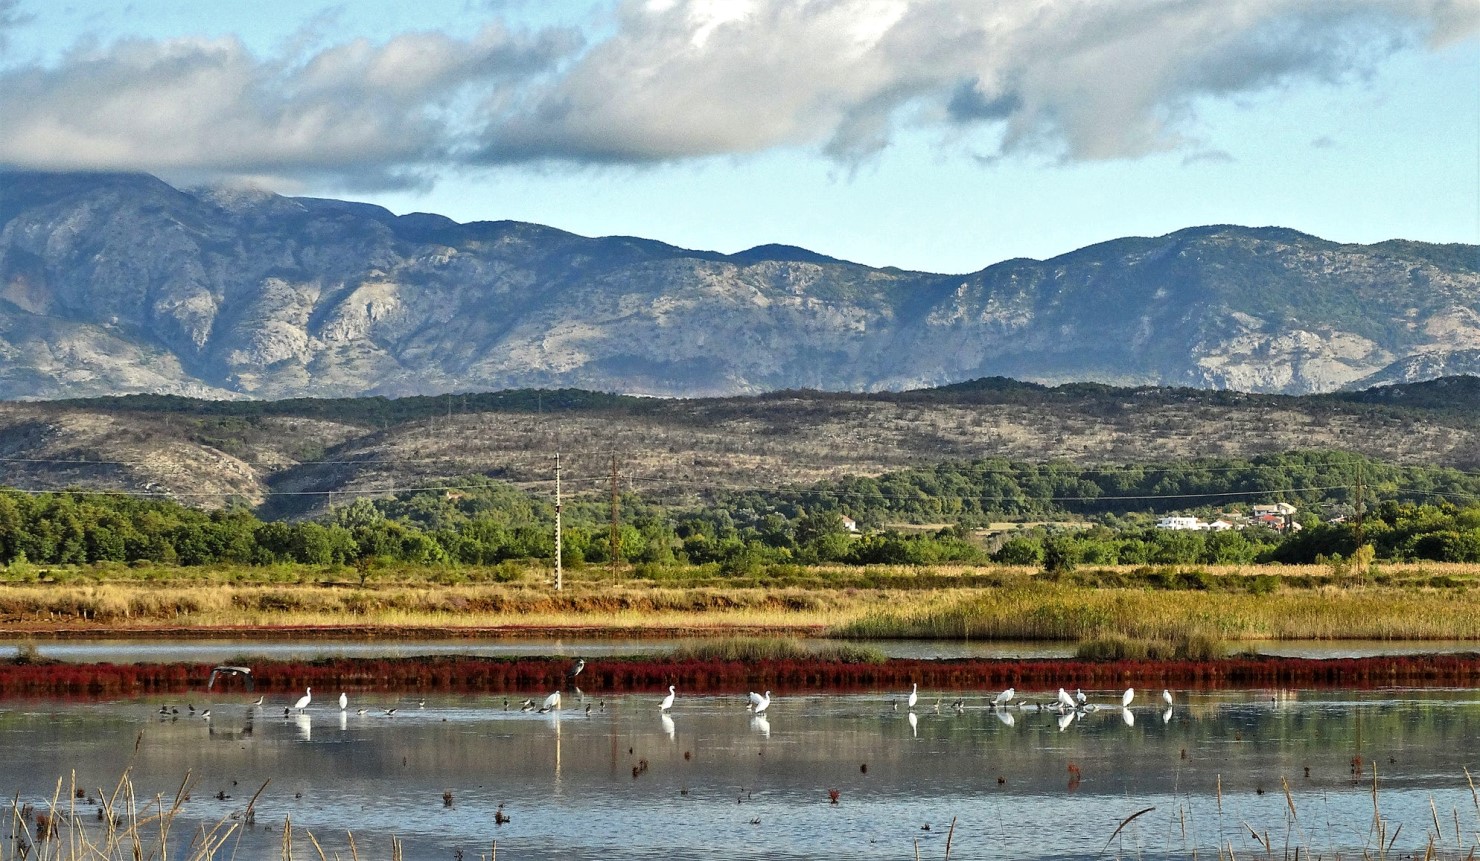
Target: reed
x=1046 y=611
x=776 y=649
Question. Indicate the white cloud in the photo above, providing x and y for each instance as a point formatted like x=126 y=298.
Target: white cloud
x=366 y=114
x=1085 y=79
x=679 y=79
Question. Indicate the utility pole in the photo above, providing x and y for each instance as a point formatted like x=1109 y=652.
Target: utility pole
x=1361 y=506
x=616 y=533
x=559 y=574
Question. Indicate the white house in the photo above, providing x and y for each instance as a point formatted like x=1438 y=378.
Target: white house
x=849 y=523
x=1176 y=522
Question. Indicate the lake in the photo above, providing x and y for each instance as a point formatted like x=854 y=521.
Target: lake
x=218 y=649
x=627 y=782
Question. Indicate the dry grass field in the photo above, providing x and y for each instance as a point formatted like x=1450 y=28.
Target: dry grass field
x=1429 y=601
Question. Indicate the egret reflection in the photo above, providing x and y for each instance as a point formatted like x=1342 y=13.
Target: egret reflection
x=1006 y=718
x=304 y=724
x=668 y=728
x=761 y=724
x=914 y=725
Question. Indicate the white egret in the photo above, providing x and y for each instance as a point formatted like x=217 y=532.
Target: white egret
x=259 y=701
x=343 y=701
x=304 y=700
x=1125 y=698
x=1079 y=695
x=914 y=696
x=552 y=702
x=1166 y=697
x=760 y=703
x=1005 y=698
x=667 y=702
x=1065 y=700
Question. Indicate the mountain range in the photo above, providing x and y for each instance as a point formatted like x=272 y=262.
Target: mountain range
x=119 y=283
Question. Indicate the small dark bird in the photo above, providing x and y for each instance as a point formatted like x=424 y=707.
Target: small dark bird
x=588 y=709
x=389 y=712
x=206 y=714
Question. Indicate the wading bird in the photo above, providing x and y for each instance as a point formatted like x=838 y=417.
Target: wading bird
x=1079 y=695
x=343 y=701
x=1004 y=698
x=914 y=696
x=1166 y=697
x=667 y=702
x=304 y=700
x=244 y=672
x=575 y=669
x=552 y=702
x=1065 y=701
x=759 y=703
x=1125 y=698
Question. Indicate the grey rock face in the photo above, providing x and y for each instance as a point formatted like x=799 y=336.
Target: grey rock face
x=112 y=284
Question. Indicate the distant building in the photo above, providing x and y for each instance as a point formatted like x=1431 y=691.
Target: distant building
x=850 y=524
x=1220 y=525
x=1281 y=509
x=1178 y=522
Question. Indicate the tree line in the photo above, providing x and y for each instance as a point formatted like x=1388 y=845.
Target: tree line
x=1424 y=514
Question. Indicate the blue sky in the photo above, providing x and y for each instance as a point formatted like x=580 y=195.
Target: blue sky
x=942 y=135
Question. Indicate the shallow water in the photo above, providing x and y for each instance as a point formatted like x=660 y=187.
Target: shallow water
x=235 y=649
x=712 y=778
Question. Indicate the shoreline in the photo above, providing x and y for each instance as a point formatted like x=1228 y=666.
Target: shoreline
x=789 y=677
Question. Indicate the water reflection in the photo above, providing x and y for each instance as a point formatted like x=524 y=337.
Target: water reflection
x=620 y=785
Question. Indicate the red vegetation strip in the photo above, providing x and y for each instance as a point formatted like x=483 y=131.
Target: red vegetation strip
x=617 y=675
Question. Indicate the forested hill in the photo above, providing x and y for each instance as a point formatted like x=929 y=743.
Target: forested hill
x=113 y=283
x=299 y=458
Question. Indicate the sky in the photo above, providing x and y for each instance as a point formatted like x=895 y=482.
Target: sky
x=936 y=135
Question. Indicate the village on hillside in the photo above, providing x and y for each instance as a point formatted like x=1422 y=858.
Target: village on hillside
x=1279 y=516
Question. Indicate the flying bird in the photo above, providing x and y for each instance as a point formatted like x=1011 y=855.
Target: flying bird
x=244 y=672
